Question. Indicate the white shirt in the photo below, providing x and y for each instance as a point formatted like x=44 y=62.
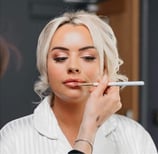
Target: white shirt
x=39 y=133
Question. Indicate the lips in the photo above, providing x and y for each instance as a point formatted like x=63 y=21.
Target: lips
x=72 y=82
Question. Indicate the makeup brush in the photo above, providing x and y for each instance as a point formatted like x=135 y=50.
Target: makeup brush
x=122 y=84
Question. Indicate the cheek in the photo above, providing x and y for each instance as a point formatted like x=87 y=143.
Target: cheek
x=53 y=72
x=92 y=72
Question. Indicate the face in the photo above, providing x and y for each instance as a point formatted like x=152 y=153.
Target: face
x=72 y=59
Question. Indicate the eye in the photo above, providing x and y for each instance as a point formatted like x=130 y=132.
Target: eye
x=60 y=59
x=88 y=58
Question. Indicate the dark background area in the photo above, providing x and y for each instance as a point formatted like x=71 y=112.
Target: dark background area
x=20 y=24
x=152 y=69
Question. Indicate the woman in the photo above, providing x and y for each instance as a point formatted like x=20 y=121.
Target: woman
x=75 y=49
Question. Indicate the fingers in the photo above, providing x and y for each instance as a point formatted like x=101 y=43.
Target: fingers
x=104 y=100
x=100 y=107
x=100 y=90
x=115 y=99
x=111 y=101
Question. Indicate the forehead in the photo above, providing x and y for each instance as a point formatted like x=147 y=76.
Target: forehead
x=70 y=33
x=71 y=28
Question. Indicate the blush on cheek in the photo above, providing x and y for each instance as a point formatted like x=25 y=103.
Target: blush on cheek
x=91 y=76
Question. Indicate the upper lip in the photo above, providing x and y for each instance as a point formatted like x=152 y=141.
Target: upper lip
x=73 y=80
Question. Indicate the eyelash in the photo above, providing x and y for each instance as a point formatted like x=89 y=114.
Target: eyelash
x=86 y=58
x=60 y=59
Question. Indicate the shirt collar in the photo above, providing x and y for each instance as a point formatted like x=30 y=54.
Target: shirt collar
x=44 y=119
x=109 y=126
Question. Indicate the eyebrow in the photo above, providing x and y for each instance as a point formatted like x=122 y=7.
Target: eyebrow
x=60 y=48
x=66 y=49
x=87 y=47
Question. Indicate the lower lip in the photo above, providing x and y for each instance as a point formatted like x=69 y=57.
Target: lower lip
x=72 y=84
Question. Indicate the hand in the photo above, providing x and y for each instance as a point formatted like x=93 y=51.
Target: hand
x=102 y=103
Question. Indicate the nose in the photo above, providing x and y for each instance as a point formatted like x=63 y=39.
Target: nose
x=73 y=65
x=73 y=70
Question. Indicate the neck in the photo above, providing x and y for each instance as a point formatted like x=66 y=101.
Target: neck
x=68 y=113
x=69 y=117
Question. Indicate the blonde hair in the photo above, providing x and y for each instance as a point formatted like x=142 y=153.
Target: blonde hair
x=103 y=37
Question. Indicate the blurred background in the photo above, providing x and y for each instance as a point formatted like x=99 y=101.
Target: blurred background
x=135 y=25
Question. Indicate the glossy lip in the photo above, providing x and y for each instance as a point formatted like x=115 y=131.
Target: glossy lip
x=73 y=83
